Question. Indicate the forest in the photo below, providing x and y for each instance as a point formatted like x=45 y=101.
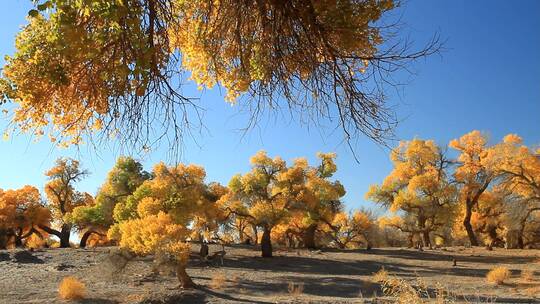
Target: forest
x=123 y=72
x=488 y=195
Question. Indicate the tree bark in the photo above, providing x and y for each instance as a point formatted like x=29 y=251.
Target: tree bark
x=520 y=243
x=266 y=243
x=309 y=237
x=86 y=235
x=183 y=277
x=4 y=238
x=64 y=236
x=203 y=251
x=467 y=224
x=255 y=234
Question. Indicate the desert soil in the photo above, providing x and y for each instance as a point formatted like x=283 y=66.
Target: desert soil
x=327 y=276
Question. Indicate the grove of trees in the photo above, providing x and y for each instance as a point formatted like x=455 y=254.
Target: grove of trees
x=485 y=195
x=116 y=68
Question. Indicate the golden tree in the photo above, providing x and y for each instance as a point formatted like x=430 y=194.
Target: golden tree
x=167 y=210
x=257 y=195
x=519 y=169
x=114 y=66
x=489 y=217
x=353 y=229
x=272 y=192
x=316 y=199
x=123 y=179
x=21 y=212
x=63 y=198
x=475 y=173
x=418 y=186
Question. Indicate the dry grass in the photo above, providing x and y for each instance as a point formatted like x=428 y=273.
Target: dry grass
x=527 y=275
x=71 y=289
x=498 y=275
x=218 y=281
x=417 y=291
x=532 y=291
x=380 y=276
x=295 y=289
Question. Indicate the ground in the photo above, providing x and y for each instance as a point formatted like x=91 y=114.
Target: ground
x=326 y=276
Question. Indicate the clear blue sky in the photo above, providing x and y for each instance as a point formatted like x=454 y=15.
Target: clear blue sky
x=487 y=79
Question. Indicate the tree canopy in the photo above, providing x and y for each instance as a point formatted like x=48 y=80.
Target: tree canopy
x=116 y=67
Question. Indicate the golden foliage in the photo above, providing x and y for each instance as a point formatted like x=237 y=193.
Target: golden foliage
x=239 y=53
x=35 y=242
x=418 y=186
x=71 y=289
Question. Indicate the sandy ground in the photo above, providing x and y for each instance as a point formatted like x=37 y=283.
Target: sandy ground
x=327 y=276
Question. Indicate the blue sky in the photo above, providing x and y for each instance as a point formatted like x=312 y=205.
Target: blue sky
x=487 y=79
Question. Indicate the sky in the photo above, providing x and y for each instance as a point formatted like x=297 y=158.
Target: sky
x=487 y=78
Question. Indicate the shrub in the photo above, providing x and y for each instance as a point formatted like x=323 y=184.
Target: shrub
x=218 y=281
x=527 y=275
x=71 y=289
x=380 y=276
x=498 y=275
x=295 y=289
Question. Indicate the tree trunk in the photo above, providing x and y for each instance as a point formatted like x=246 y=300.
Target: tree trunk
x=4 y=238
x=183 y=277
x=18 y=239
x=309 y=237
x=84 y=238
x=426 y=239
x=266 y=243
x=203 y=252
x=255 y=234
x=520 y=243
x=410 y=238
x=468 y=226
x=241 y=235
x=64 y=236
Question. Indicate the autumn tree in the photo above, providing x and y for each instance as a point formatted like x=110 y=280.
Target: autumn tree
x=257 y=195
x=113 y=66
x=315 y=197
x=519 y=169
x=21 y=212
x=350 y=230
x=63 y=198
x=474 y=173
x=489 y=216
x=165 y=211
x=123 y=179
x=419 y=187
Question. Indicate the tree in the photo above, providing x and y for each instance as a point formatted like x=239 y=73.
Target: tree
x=351 y=230
x=257 y=195
x=63 y=198
x=489 y=217
x=519 y=169
x=163 y=212
x=315 y=199
x=123 y=179
x=21 y=212
x=273 y=192
x=113 y=66
x=474 y=173
x=418 y=186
